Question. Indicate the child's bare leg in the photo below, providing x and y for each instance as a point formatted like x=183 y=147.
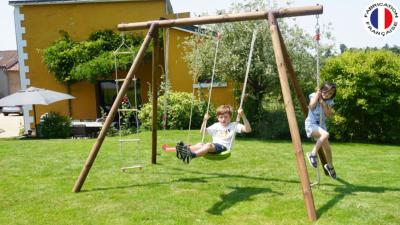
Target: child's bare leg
x=168 y=148
x=206 y=148
x=322 y=136
x=192 y=147
x=328 y=152
x=196 y=147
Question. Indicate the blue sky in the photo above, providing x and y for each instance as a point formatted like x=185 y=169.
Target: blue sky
x=345 y=16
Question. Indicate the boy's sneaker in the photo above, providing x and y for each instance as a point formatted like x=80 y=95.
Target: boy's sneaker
x=330 y=170
x=312 y=159
x=187 y=156
x=180 y=150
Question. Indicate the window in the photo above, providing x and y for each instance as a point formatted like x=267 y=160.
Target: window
x=108 y=93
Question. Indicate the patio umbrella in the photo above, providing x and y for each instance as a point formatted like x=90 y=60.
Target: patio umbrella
x=34 y=96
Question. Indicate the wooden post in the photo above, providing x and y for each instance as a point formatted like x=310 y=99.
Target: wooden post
x=69 y=101
x=110 y=117
x=154 y=85
x=294 y=130
x=293 y=77
x=34 y=120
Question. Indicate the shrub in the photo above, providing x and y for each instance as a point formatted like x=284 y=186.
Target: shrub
x=274 y=123
x=178 y=111
x=367 y=101
x=54 y=125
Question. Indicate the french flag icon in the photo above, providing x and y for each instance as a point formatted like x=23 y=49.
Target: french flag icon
x=381 y=18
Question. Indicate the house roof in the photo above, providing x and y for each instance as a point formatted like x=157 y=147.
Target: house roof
x=8 y=60
x=54 y=2
x=41 y=2
x=14 y=68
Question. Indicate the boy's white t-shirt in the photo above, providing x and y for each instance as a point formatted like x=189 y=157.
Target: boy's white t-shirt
x=223 y=135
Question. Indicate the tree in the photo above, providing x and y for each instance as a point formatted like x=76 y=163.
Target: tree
x=91 y=59
x=263 y=84
x=395 y=49
x=343 y=48
x=368 y=100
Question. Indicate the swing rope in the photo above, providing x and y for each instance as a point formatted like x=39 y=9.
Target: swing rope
x=317 y=39
x=317 y=47
x=195 y=75
x=136 y=105
x=212 y=80
x=253 y=40
x=225 y=154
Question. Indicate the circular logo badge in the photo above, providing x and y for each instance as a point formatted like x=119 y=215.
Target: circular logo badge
x=381 y=18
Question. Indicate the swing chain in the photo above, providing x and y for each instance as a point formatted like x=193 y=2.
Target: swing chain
x=218 y=39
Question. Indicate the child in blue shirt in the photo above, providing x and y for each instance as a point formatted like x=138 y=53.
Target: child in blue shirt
x=319 y=109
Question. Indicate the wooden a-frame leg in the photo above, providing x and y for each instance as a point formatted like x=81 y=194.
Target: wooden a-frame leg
x=294 y=130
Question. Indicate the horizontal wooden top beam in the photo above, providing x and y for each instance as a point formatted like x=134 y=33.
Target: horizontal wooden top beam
x=278 y=13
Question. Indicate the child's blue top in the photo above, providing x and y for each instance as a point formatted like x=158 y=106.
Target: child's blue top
x=314 y=114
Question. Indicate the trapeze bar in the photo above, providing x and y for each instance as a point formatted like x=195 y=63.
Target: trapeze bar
x=278 y=13
x=128 y=110
x=123 y=79
x=124 y=169
x=129 y=140
x=124 y=53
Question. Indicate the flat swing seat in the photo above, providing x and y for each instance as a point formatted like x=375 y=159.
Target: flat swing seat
x=220 y=156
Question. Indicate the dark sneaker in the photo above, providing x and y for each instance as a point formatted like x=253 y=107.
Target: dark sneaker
x=312 y=159
x=330 y=170
x=187 y=156
x=179 y=150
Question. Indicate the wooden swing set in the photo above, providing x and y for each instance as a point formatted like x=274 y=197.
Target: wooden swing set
x=285 y=70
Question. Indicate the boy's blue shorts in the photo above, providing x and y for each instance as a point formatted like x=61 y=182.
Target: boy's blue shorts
x=219 y=148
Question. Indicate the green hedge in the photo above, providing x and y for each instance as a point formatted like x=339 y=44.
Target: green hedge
x=274 y=124
x=367 y=101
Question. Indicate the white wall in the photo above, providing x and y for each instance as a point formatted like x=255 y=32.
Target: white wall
x=3 y=84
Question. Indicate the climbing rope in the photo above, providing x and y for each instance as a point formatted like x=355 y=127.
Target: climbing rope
x=317 y=38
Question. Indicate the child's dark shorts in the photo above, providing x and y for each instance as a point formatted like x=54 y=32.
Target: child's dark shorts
x=219 y=148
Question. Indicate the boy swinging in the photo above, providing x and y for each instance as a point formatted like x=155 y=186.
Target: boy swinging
x=222 y=133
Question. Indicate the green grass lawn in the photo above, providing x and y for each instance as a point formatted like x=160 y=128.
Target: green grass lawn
x=258 y=184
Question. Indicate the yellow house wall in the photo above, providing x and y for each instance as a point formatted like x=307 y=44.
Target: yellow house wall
x=42 y=25
x=180 y=77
